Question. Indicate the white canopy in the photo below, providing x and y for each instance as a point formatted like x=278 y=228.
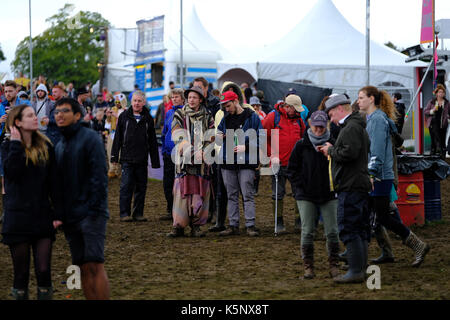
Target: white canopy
x=326 y=51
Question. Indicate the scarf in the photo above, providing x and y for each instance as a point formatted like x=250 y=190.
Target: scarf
x=318 y=141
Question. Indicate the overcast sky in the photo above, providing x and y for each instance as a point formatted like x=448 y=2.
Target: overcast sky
x=234 y=23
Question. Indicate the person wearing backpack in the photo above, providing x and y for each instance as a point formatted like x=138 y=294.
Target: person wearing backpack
x=286 y=119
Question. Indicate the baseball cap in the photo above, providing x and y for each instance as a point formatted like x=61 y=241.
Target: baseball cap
x=228 y=96
x=254 y=100
x=319 y=119
x=295 y=101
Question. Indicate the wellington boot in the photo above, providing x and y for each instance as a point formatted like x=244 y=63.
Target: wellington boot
x=356 y=260
x=419 y=247
x=44 y=293
x=176 y=232
x=308 y=261
x=384 y=243
x=19 y=294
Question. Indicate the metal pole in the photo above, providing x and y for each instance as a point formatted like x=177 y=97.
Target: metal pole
x=434 y=50
x=368 y=42
x=31 y=56
x=181 y=45
x=418 y=89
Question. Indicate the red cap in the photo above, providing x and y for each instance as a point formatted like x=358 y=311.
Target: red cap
x=228 y=96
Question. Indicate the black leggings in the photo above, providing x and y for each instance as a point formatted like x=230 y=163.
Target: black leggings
x=381 y=207
x=42 y=252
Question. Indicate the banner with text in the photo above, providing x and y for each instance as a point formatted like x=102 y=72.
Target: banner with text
x=151 y=37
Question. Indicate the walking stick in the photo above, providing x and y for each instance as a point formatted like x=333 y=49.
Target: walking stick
x=275 y=169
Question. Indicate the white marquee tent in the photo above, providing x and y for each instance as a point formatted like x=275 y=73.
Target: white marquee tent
x=324 y=50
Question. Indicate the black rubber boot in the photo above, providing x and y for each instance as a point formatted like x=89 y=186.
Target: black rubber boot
x=280 y=223
x=356 y=260
x=176 y=232
x=384 y=243
x=44 y=293
x=19 y=294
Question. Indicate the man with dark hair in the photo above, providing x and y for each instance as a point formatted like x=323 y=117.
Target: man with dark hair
x=401 y=109
x=171 y=85
x=12 y=99
x=81 y=196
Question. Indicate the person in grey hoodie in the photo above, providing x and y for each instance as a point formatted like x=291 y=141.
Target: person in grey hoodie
x=42 y=106
x=380 y=112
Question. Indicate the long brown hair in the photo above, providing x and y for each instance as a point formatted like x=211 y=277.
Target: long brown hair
x=382 y=100
x=38 y=151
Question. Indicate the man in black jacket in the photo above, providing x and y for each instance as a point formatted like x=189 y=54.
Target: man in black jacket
x=349 y=158
x=134 y=140
x=81 y=196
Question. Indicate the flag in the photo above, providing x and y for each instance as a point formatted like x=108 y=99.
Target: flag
x=427 y=30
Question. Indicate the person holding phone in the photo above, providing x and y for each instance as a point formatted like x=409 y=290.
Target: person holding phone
x=28 y=159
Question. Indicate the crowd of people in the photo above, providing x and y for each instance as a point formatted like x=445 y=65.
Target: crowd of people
x=59 y=149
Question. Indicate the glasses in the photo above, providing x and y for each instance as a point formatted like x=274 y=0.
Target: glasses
x=65 y=110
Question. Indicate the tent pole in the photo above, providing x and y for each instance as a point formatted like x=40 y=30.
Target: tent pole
x=368 y=42
x=181 y=45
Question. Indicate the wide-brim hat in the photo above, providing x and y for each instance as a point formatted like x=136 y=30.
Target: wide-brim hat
x=195 y=89
x=295 y=101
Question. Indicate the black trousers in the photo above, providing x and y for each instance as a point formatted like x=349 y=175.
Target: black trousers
x=438 y=139
x=168 y=180
x=381 y=207
x=134 y=181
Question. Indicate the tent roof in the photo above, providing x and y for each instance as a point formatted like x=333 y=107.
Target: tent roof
x=195 y=37
x=324 y=36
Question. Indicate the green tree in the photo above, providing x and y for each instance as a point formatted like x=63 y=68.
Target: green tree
x=2 y=56
x=69 y=50
x=392 y=46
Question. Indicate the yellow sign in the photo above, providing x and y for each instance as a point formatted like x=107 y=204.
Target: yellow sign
x=413 y=193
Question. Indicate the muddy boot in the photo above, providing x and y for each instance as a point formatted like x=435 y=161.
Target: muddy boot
x=385 y=244
x=176 y=232
x=308 y=261
x=280 y=223
x=231 y=231
x=355 y=257
x=19 y=294
x=333 y=258
x=166 y=217
x=44 y=293
x=419 y=247
x=196 y=232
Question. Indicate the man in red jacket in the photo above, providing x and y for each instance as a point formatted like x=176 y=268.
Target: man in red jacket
x=287 y=120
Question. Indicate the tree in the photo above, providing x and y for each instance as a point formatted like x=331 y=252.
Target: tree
x=68 y=51
x=2 y=56
x=392 y=46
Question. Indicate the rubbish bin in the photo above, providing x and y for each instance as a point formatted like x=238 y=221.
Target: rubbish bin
x=433 y=170
x=411 y=198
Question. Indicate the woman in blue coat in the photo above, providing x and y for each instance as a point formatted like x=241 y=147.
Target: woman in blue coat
x=28 y=157
x=381 y=114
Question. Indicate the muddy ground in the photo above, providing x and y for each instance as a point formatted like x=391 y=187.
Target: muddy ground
x=142 y=263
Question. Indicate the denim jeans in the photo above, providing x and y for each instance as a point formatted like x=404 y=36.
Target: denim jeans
x=134 y=180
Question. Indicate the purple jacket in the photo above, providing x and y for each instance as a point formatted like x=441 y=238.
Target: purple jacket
x=445 y=112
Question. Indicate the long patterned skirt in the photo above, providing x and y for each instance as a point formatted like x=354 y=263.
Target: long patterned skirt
x=190 y=201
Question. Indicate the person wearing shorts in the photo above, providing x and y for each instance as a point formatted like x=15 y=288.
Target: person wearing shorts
x=81 y=195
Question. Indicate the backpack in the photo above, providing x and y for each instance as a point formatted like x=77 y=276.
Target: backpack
x=276 y=120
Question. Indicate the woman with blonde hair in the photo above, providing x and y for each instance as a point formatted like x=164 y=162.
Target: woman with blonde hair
x=28 y=159
x=381 y=114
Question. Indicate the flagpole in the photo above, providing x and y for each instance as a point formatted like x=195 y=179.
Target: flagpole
x=31 y=55
x=368 y=42
x=434 y=48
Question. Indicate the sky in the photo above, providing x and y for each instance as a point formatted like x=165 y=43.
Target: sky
x=236 y=24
